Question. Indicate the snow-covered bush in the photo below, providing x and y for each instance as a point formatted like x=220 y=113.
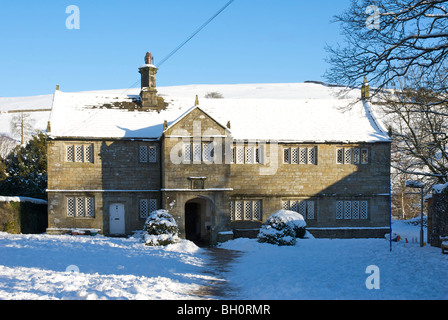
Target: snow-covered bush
x=160 y=229
x=282 y=228
x=281 y=234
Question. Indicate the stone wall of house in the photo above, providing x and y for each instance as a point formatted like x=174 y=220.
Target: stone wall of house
x=214 y=211
x=196 y=127
x=324 y=182
x=59 y=222
x=116 y=174
x=272 y=181
x=114 y=167
x=63 y=174
x=203 y=182
x=326 y=177
x=134 y=221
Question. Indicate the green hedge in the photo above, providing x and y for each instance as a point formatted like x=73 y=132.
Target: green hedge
x=23 y=217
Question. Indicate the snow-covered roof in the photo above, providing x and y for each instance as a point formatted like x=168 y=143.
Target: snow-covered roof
x=439 y=188
x=304 y=112
x=22 y=199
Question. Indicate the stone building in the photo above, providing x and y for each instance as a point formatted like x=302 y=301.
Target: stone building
x=217 y=165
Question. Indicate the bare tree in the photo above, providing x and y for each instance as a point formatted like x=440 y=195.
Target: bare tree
x=419 y=124
x=403 y=35
x=214 y=95
x=22 y=126
x=404 y=204
x=401 y=46
x=7 y=144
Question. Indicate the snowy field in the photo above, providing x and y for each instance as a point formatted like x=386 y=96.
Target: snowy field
x=83 y=267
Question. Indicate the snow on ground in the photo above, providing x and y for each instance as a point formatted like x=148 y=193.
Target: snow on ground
x=336 y=269
x=38 y=267
x=67 y=267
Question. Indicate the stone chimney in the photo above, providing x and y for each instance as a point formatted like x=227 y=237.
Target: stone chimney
x=148 y=93
x=365 y=90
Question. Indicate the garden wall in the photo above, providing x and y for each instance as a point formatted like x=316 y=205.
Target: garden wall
x=23 y=215
x=438 y=215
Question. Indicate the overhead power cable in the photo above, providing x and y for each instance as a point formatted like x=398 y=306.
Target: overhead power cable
x=194 y=33
x=187 y=40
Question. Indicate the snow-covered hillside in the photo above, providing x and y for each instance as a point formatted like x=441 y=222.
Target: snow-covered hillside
x=37 y=107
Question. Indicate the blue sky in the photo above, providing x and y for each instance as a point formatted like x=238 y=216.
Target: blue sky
x=252 y=41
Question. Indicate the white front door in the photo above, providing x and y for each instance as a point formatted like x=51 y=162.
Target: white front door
x=116 y=213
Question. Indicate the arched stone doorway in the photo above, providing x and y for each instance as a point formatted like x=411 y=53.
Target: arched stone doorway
x=198 y=220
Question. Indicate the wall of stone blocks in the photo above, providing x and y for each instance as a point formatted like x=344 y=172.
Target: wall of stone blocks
x=348 y=233
x=325 y=178
x=131 y=202
x=57 y=212
x=215 y=216
x=195 y=125
x=64 y=175
x=58 y=218
x=115 y=167
x=324 y=212
x=324 y=183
